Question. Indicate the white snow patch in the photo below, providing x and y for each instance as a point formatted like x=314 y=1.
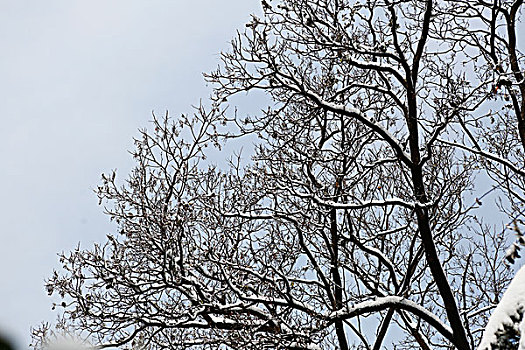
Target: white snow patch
x=513 y=299
x=522 y=333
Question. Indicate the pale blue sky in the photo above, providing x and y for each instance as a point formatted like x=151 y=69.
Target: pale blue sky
x=77 y=79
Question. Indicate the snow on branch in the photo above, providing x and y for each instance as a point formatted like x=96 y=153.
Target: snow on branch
x=395 y=302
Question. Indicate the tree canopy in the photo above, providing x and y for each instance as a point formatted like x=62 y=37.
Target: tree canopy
x=355 y=222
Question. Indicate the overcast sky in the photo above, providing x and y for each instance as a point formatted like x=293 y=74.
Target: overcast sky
x=77 y=79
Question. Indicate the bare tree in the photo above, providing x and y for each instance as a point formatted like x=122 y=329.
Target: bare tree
x=489 y=32
x=350 y=226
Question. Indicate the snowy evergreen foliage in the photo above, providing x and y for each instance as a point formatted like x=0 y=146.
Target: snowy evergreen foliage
x=507 y=322
x=509 y=336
